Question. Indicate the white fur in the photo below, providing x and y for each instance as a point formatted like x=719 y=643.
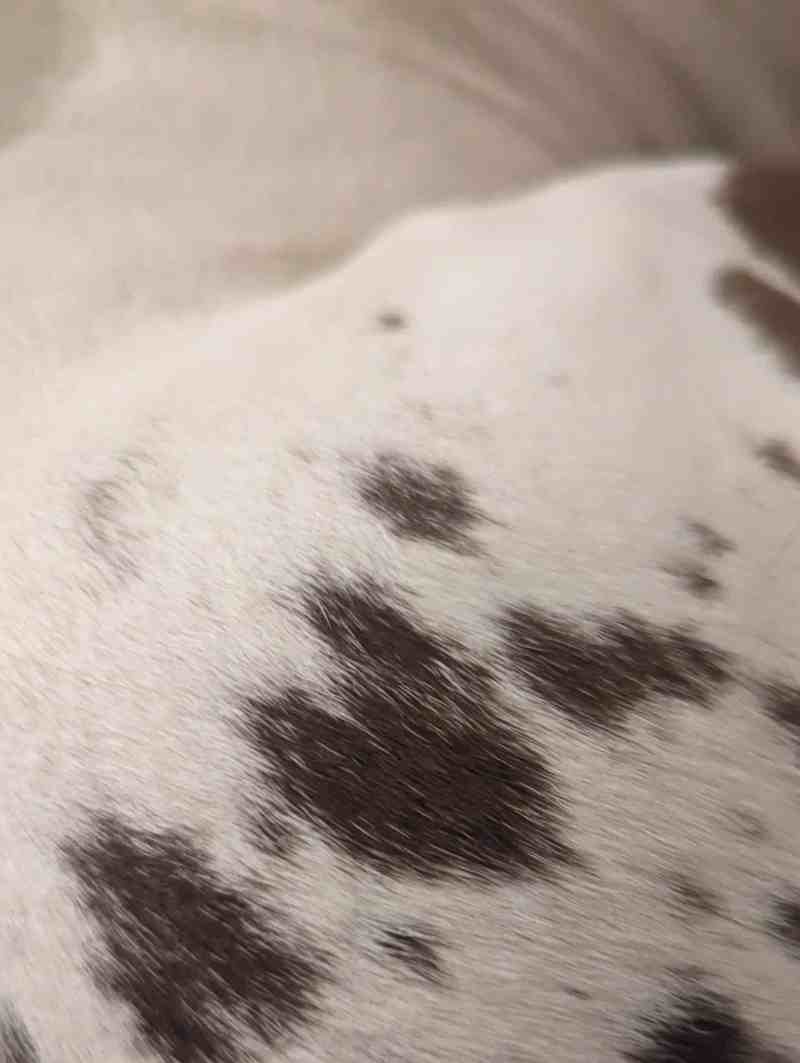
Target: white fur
x=577 y=371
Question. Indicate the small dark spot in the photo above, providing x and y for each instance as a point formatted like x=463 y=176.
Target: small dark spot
x=191 y=957
x=693 y=895
x=421 y=777
x=559 y=380
x=772 y=312
x=574 y=991
x=784 y=921
x=695 y=1027
x=780 y=457
x=696 y=579
x=430 y=502
x=115 y=512
x=782 y=703
x=417 y=949
x=598 y=678
x=710 y=540
x=763 y=200
x=393 y=320
x=16 y=1045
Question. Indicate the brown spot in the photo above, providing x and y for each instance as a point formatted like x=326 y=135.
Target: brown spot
x=780 y=457
x=695 y=1026
x=696 y=579
x=771 y=311
x=598 y=679
x=782 y=702
x=392 y=320
x=190 y=956
x=693 y=895
x=763 y=200
x=16 y=1045
x=421 y=776
x=428 y=502
x=784 y=922
x=710 y=540
x=417 y=949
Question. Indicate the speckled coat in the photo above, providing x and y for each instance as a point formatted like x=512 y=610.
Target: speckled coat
x=404 y=669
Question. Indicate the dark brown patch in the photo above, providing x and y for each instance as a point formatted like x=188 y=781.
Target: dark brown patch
x=696 y=579
x=763 y=200
x=784 y=922
x=429 y=502
x=710 y=540
x=696 y=1026
x=780 y=457
x=393 y=320
x=421 y=777
x=693 y=896
x=771 y=311
x=598 y=678
x=417 y=949
x=16 y=1045
x=782 y=702
x=190 y=956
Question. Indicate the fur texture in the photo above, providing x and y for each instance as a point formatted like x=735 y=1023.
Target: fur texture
x=365 y=694
x=402 y=669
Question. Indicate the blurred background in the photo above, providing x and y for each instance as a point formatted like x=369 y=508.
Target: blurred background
x=165 y=156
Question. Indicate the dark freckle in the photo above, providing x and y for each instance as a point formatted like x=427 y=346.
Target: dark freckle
x=710 y=541
x=763 y=200
x=416 y=949
x=772 y=312
x=598 y=679
x=190 y=956
x=779 y=456
x=782 y=703
x=695 y=1027
x=694 y=896
x=696 y=580
x=579 y=994
x=421 y=777
x=393 y=320
x=431 y=502
x=16 y=1045
x=784 y=922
